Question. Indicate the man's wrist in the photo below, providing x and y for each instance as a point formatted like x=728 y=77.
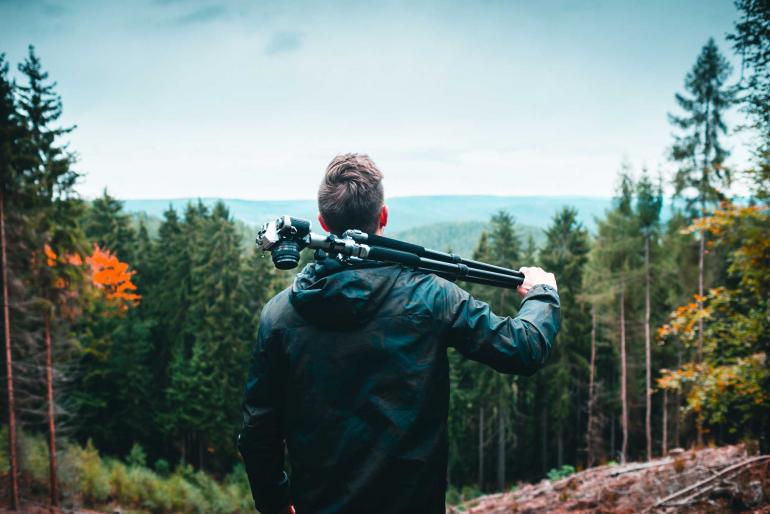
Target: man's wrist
x=542 y=286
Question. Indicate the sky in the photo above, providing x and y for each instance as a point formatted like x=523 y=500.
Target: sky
x=248 y=99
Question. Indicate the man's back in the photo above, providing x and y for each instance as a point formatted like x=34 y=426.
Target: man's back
x=351 y=370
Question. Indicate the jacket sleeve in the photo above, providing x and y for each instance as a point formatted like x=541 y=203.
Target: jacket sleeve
x=261 y=440
x=519 y=345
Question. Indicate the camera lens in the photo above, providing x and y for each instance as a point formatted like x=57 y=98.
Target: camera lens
x=286 y=254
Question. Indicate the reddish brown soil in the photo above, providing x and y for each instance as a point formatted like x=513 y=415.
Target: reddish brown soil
x=709 y=480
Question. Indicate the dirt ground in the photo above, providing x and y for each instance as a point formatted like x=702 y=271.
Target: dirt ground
x=724 y=479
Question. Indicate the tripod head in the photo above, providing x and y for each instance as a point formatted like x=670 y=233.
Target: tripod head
x=286 y=237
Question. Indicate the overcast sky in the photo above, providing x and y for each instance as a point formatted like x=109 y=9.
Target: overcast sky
x=247 y=99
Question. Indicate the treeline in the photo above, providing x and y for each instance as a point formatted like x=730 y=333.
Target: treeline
x=140 y=343
x=112 y=336
x=666 y=322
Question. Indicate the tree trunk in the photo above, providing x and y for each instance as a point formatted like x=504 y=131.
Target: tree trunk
x=200 y=453
x=677 y=403
x=501 y=448
x=701 y=258
x=14 y=492
x=560 y=448
x=647 y=350
x=54 y=483
x=481 y=448
x=664 y=440
x=590 y=455
x=613 y=430
x=544 y=438
x=623 y=375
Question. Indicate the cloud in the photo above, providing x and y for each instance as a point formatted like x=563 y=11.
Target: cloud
x=201 y=15
x=283 y=42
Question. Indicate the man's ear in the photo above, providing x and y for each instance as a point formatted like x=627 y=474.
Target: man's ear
x=383 y=216
x=323 y=223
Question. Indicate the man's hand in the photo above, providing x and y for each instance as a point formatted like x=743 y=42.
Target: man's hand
x=533 y=277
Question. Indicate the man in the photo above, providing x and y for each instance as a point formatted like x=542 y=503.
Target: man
x=350 y=369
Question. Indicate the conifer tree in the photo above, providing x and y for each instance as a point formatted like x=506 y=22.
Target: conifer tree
x=10 y=133
x=500 y=246
x=565 y=254
x=698 y=149
x=649 y=201
x=51 y=210
x=751 y=40
x=617 y=248
x=107 y=225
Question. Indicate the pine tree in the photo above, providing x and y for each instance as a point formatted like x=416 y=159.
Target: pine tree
x=565 y=254
x=10 y=133
x=617 y=247
x=698 y=149
x=51 y=211
x=500 y=246
x=107 y=225
x=751 y=40
x=649 y=201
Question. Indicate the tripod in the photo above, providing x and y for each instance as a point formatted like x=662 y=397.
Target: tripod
x=355 y=244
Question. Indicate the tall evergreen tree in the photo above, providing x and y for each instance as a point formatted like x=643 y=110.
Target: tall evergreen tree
x=751 y=41
x=649 y=201
x=500 y=246
x=617 y=247
x=565 y=254
x=107 y=225
x=701 y=174
x=11 y=132
x=52 y=211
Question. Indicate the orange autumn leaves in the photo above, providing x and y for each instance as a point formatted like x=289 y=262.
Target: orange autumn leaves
x=105 y=271
x=728 y=385
x=684 y=319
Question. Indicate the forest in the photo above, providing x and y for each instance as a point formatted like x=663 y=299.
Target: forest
x=125 y=350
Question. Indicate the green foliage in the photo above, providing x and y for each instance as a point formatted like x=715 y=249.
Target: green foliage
x=162 y=467
x=751 y=40
x=94 y=481
x=729 y=389
x=137 y=456
x=559 y=473
x=697 y=148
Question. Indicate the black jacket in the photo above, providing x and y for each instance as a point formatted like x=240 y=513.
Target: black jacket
x=350 y=369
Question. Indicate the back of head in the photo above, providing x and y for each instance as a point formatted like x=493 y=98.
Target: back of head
x=351 y=194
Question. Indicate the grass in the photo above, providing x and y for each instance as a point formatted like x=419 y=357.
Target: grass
x=89 y=480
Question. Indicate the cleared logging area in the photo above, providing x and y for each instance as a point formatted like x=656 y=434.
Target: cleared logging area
x=726 y=479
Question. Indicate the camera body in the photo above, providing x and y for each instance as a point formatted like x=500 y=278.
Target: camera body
x=284 y=238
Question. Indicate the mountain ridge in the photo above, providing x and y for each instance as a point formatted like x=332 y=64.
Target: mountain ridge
x=406 y=212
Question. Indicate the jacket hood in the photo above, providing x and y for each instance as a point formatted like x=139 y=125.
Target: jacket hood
x=338 y=296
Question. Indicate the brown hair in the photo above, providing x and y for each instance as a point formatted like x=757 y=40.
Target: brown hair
x=351 y=194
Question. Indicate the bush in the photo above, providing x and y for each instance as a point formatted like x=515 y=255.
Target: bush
x=162 y=467
x=137 y=456
x=94 y=477
x=562 y=472
x=87 y=479
x=33 y=458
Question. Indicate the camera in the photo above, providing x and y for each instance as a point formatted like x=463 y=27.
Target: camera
x=284 y=238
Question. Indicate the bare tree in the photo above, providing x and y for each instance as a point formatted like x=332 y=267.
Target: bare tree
x=54 y=483
x=623 y=374
x=9 y=364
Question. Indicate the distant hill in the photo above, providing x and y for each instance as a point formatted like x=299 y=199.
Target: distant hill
x=461 y=237
x=407 y=212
